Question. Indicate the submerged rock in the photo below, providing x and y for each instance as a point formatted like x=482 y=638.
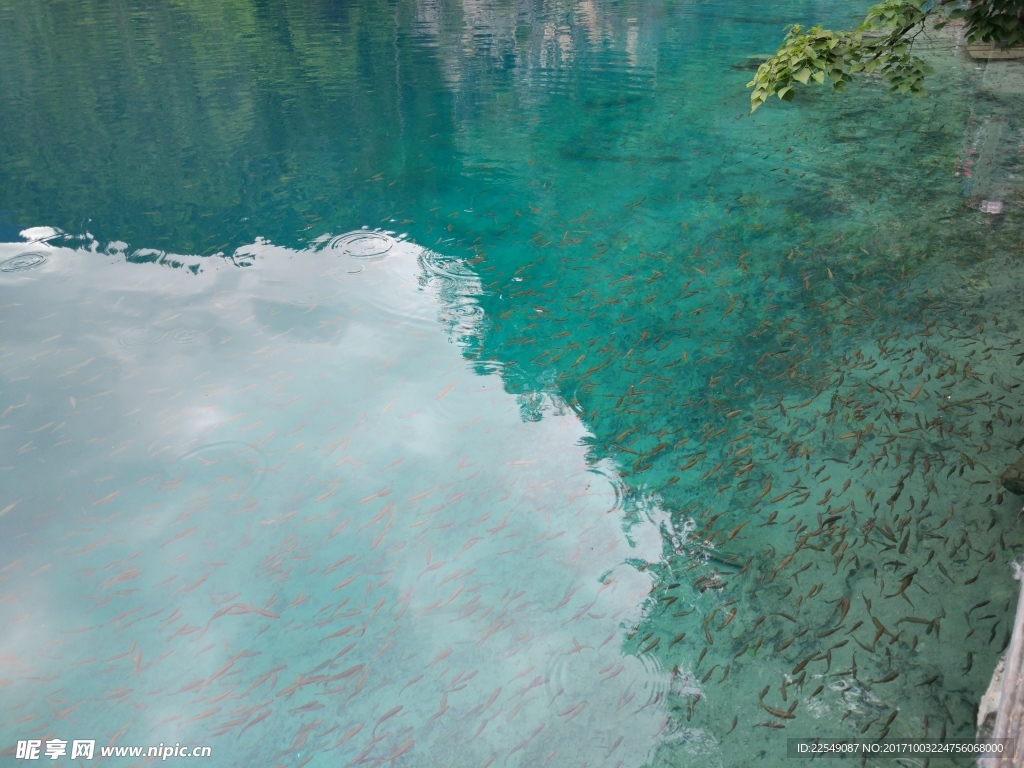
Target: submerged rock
x=1012 y=478
x=750 y=63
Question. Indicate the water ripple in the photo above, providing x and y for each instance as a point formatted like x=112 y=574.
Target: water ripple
x=227 y=455
x=139 y=336
x=23 y=262
x=186 y=336
x=363 y=244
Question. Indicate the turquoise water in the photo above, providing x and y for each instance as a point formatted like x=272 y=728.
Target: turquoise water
x=472 y=384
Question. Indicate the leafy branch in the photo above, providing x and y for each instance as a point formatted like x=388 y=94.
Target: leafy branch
x=882 y=46
x=993 y=21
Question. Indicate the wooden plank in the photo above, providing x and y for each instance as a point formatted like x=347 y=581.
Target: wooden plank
x=992 y=51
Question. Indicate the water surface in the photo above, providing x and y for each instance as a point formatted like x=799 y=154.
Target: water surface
x=469 y=383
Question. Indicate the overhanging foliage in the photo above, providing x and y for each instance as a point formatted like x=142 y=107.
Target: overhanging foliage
x=882 y=45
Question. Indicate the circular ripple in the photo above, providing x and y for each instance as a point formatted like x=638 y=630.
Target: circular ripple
x=558 y=678
x=488 y=367
x=186 y=336
x=245 y=464
x=363 y=244
x=653 y=681
x=607 y=487
x=139 y=336
x=436 y=264
x=23 y=261
x=306 y=299
x=462 y=315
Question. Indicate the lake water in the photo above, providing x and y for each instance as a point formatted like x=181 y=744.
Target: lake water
x=439 y=383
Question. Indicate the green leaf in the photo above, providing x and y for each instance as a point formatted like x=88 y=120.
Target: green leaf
x=882 y=45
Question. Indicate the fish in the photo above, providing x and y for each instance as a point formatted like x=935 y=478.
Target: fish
x=386 y=716
x=887 y=678
x=179 y=536
x=346 y=738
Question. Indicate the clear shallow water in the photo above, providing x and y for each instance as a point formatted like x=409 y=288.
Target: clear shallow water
x=617 y=364
x=404 y=550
